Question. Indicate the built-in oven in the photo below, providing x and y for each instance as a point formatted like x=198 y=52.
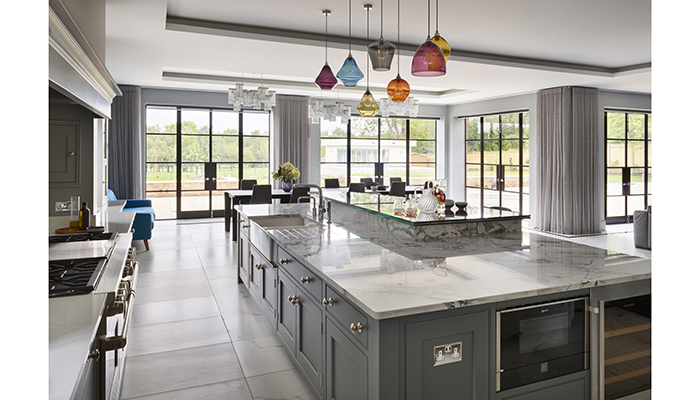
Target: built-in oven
x=541 y=341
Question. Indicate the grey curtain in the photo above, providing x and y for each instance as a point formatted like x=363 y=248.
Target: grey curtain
x=125 y=145
x=291 y=134
x=568 y=157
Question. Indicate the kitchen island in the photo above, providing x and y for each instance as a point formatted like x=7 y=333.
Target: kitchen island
x=384 y=302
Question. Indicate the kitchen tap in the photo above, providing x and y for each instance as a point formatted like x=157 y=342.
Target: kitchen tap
x=311 y=198
x=320 y=204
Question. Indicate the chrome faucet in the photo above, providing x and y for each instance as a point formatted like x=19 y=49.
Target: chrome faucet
x=320 y=205
x=310 y=198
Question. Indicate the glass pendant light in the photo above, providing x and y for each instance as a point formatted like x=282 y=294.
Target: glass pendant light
x=367 y=107
x=326 y=79
x=428 y=59
x=350 y=73
x=381 y=52
x=398 y=89
x=437 y=39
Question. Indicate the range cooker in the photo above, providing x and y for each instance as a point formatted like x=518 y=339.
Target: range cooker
x=98 y=263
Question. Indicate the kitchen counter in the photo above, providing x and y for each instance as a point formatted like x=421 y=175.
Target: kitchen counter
x=389 y=276
x=74 y=320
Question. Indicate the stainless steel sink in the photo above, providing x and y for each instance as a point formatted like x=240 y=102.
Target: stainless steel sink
x=261 y=224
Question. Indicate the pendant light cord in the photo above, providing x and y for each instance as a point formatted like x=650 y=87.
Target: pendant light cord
x=437 y=14
x=398 y=39
x=349 y=26
x=326 y=35
x=428 y=19
x=368 y=8
x=381 y=12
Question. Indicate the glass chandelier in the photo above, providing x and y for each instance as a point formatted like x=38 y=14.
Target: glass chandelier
x=326 y=79
x=428 y=59
x=260 y=99
x=318 y=111
x=350 y=74
x=368 y=107
x=381 y=52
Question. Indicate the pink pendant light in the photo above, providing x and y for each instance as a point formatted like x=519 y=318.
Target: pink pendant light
x=326 y=80
x=428 y=59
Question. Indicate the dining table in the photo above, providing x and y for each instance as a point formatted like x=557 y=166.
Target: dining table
x=239 y=196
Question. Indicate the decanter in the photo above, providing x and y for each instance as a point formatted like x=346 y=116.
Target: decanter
x=427 y=203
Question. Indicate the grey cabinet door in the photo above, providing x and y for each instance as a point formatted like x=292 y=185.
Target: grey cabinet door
x=467 y=377
x=310 y=339
x=286 y=313
x=346 y=367
x=244 y=259
x=268 y=292
x=256 y=273
x=64 y=137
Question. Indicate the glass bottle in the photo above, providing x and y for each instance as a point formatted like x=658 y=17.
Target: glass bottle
x=84 y=217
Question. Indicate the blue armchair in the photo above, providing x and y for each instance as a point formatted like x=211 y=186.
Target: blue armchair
x=145 y=217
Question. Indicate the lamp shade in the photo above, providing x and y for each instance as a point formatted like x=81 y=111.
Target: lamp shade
x=325 y=79
x=428 y=60
x=368 y=107
x=398 y=89
x=381 y=53
x=349 y=74
x=442 y=44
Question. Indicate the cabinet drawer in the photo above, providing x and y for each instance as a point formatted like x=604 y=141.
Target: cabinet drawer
x=300 y=274
x=352 y=321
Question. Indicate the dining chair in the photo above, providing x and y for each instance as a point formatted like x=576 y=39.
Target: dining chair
x=247 y=184
x=298 y=192
x=397 y=188
x=262 y=194
x=332 y=183
x=395 y=179
x=357 y=187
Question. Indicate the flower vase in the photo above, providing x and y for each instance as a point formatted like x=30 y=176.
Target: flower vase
x=287 y=186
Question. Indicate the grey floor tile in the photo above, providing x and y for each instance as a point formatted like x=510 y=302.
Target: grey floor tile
x=175 y=291
x=247 y=326
x=234 y=390
x=237 y=303
x=226 y=272
x=176 y=335
x=226 y=287
x=217 y=256
x=287 y=385
x=175 y=310
x=175 y=370
x=261 y=356
x=170 y=277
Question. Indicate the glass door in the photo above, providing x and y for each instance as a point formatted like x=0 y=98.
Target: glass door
x=628 y=165
x=497 y=158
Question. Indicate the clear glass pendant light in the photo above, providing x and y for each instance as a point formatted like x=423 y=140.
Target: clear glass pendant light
x=381 y=52
x=368 y=107
x=326 y=79
x=350 y=74
x=428 y=59
x=398 y=89
x=437 y=39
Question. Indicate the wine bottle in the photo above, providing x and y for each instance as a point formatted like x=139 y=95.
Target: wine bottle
x=84 y=217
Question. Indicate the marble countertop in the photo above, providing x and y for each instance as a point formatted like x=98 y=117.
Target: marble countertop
x=74 y=320
x=392 y=277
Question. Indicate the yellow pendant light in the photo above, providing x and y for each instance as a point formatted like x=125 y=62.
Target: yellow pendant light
x=368 y=107
x=439 y=40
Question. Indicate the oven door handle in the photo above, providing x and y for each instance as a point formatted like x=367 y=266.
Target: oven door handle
x=119 y=342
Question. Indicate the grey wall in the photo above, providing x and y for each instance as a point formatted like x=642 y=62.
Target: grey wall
x=90 y=17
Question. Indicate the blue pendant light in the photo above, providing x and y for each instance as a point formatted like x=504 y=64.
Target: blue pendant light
x=350 y=74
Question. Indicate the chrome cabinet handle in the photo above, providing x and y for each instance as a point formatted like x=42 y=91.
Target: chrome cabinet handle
x=328 y=302
x=294 y=300
x=258 y=266
x=245 y=226
x=305 y=279
x=356 y=328
x=284 y=261
x=94 y=355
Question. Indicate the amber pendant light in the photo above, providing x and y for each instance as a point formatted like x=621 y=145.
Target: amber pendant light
x=437 y=39
x=398 y=89
x=368 y=107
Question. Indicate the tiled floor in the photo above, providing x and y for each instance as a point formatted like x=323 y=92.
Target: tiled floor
x=197 y=334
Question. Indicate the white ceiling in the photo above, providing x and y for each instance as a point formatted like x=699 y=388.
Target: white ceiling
x=500 y=47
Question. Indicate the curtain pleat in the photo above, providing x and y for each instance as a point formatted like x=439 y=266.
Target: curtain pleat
x=291 y=137
x=125 y=145
x=567 y=166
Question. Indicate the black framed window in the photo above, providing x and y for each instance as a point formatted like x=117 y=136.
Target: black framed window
x=497 y=161
x=406 y=147
x=184 y=143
